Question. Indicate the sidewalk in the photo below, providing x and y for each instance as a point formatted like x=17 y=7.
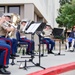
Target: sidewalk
x=46 y=62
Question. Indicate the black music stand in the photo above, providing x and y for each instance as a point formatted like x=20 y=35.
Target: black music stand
x=38 y=32
x=58 y=33
x=32 y=30
x=13 y=63
x=40 y=42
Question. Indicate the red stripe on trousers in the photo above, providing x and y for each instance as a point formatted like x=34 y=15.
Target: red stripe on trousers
x=46 y=43
x=10 y=44
x=27 y=41
x=5 y=55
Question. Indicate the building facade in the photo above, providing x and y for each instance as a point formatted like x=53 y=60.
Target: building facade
x=36 y=10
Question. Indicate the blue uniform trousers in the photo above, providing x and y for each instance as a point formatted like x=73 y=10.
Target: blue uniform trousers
x=5 y=47
x=2 y=53
x=12 y=43
x=30 y=43
x=50 y=43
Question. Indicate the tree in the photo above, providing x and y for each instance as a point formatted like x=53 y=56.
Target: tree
x=62 y=2
x=66 y=17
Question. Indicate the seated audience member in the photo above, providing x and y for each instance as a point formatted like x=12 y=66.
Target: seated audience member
x=71 y=39
x=31 y=44
x=49 y=42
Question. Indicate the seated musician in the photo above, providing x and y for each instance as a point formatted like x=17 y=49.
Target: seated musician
x=47 y=39
x=4 y=47
x=71 y=39
x=31 y=44
x=4 y=30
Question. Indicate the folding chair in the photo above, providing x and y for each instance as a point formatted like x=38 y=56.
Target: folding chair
x=41 y=44
x=21 y=44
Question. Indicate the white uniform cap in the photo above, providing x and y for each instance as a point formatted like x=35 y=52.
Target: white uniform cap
x=7 y=14
x=25 y=20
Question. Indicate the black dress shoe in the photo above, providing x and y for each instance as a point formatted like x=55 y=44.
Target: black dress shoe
x=51 y=53
x=32 y=53
x=7 y=71
x=12 y=57
x=48 y=52
x=16 y=55
x=27 y=53
x=6 y=66
x=3 y=71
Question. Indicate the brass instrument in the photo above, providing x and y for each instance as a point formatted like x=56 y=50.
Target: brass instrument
x=15 y=19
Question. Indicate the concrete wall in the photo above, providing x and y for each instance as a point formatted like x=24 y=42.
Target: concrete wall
x=29 y=11
x=47 y=8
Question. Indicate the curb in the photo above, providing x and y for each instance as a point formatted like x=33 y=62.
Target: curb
x=56 y=70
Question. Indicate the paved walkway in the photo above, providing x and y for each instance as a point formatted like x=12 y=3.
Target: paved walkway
x=46 y=62
x=49 y=61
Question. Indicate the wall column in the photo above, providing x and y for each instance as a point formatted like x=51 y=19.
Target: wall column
x=29 y=11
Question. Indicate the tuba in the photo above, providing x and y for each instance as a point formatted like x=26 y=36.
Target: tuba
x=15 y=20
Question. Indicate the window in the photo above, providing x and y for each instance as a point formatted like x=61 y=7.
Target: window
x=39 y=19
x=2 y=10
x=14 y=9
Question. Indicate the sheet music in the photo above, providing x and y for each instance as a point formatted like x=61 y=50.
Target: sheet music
x=29 y=23
x=33 y=27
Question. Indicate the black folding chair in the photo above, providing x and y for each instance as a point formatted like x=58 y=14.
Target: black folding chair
x=21 y=44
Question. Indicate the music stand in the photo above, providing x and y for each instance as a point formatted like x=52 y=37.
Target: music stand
x=38 y=32
x=32 y=29
x=57 y=33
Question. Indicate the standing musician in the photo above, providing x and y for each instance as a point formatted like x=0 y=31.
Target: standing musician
x=46 y=39
x=6 y=29
x=4 y=47
x=30 y=48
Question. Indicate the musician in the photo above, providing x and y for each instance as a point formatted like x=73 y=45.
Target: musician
x=46 y=34
x=30 y=48
x=71 y=39
x=4 y=47
x=6 y=29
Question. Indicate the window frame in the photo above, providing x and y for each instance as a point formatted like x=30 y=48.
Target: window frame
x=14 y=6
